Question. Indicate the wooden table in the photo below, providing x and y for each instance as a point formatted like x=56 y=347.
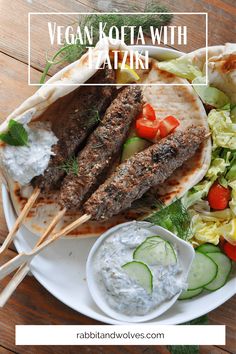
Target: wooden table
x=31 y=303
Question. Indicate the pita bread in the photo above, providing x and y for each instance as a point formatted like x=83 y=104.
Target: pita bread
x=180 y=101
x=221 y=67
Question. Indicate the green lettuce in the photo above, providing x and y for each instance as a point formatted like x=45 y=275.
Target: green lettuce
x=197 y=193
x=207 y=228
x=182 y=67
x=232 y=203
x=222 y=128
x=223 y=169
x=233 y=113
x=210 y=95
x=205 y=231
x=217 y=168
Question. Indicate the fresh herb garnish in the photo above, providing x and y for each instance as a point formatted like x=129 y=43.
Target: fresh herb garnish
x=71 y=52
x=174 y=218
x=93 y=117
x=70 y=166
x=16 y=134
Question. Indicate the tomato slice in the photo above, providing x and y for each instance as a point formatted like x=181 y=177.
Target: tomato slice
x=146 y=128
x=218 y=196
x=230 y=250
x=168 y=125
x=148 y=112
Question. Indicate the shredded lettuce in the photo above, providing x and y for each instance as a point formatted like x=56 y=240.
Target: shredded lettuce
x=231 y=174
x=209 y=226
x=182 y=67
x=208 y=94
x=222 y=128
x=217 y=168
x=233 y=113
x=205 y=229
x=197 y=193
x=223 y=169
x=232 y=203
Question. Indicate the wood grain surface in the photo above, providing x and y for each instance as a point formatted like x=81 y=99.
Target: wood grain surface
x=31 y=303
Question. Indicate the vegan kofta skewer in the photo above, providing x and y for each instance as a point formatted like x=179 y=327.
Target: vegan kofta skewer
x=78 y=122
x=144 y=170
x=129 y=182
x=87 y=106
x=102 y=147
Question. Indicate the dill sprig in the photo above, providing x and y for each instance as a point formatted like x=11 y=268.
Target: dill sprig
x=72 y=52
x=93 y=117
x=70 y=166
x=174 y=218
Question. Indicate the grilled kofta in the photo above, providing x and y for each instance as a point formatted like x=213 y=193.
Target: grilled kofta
x=103 y=145
x=89 y=103
x=144 y=170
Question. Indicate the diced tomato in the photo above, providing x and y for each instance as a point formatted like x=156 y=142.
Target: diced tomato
x=218 y=196
x=148 y=112
x=230 y=250
x=146 y=128
x=168 y=125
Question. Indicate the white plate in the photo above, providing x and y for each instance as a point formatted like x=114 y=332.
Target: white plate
x=61 y=268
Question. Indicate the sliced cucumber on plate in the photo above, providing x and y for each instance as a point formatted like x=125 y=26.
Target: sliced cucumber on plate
x=210 y=271
x=224 y=265
x=189 y=294
x=208 y=248
x=155 y=251
x=141 y=273
x=203 y=271
x=132 y=146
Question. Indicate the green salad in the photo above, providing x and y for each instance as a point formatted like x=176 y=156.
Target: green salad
x=212 y=202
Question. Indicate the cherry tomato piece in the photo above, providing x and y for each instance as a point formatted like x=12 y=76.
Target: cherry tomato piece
x=146 y=129
x=230 y=250
x=218 y=196
x=168 y=125
x=148 y=112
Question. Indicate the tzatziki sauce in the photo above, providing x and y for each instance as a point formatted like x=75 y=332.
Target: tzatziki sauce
x=122 y=293
x=25 y=162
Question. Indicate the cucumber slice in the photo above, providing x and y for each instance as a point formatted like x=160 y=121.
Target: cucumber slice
x=141 y=273
x=208 y=94
x=202 y=272
x=154 y=250
x=208 y=248
x=132 y=146
x=189 y=294
x=224 y=268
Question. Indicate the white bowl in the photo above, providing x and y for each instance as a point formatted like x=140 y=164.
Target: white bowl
x=185 y=258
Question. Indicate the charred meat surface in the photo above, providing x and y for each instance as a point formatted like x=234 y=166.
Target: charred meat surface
x=102 y=147
x=78 y=121
x=144 y=170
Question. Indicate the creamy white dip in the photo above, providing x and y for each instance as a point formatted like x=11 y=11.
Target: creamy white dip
x=122 y=293
x=25 y=162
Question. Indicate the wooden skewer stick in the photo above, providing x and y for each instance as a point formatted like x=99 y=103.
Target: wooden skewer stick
x=19 y=220
x=22 y=258
x=24 y=268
